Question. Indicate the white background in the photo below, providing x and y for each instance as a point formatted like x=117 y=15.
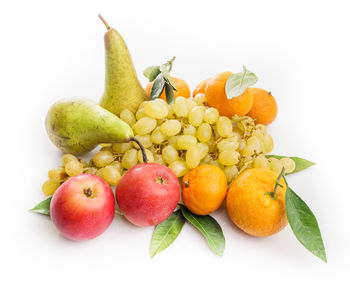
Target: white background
x=299 y=50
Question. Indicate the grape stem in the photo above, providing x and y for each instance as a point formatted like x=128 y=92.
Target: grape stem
x=144 y=156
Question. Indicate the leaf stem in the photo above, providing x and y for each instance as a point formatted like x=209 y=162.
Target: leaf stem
x=273 y=194
x=170 y=63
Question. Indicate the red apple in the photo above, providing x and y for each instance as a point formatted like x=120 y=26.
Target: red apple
x=148 y=193
x=83 y=207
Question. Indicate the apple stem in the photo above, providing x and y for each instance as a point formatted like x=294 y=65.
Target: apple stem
x=144 y=156
x=88 y=192
x=104 y=21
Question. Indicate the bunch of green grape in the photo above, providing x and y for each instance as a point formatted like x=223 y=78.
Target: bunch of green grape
x=182 y=136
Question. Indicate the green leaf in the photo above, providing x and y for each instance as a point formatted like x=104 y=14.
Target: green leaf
x=169 y=92
x=158 y=87
x=166 y=74
x=300 y=163
x=151 y=72
x=304 y=224
x=208 y=226
x=237 y=83
x=166 y=232
x=43 y=207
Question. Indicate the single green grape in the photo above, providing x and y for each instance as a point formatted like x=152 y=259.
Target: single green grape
x=193 y=157
x=275 y=165
x=224 y=126
x=211 y=115
x=204 y=132
x=57 y=174
x=229 y=157
x=142 y=104
x=185 y=142
x=170 y=127
x=200 y=98
x=127 y=116
x=145 y=125
x=179 y=167
x=190 y=130
x=102 y=158
x=121 y=148
x=118 y=165
x=173 y=142
x=195 y=116
x=161 y=101
x=171 y=113
x=73 y=168
x=111 y=174
x=261 y=127
x=203 y=149
x=169 y=154
x=230 y=173
x=180 y=107
x=261 y=162
x=156 y=110
x=129 y=158
x=288 y=164
x=253 y=147
x=190 y=104
x=67 y=158
x=140 y=113
x=267 y=143
x=253 y=140
x=49 y=187
x=228 y=143
x=157 y=136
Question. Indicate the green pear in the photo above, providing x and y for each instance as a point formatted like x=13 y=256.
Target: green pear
x=122 y=87
x=77 y=126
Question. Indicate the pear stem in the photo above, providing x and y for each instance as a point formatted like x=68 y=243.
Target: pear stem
x=144 y=156
x=104 y=21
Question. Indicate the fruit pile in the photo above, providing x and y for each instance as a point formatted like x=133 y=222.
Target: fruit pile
x=215 y=143
x=181 y=136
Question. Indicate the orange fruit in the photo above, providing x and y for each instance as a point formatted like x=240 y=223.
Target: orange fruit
x=216 y=97
x=200 y=88
x=204 y=188
x=251 y=209
x=264 y=109
x=181 y=87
